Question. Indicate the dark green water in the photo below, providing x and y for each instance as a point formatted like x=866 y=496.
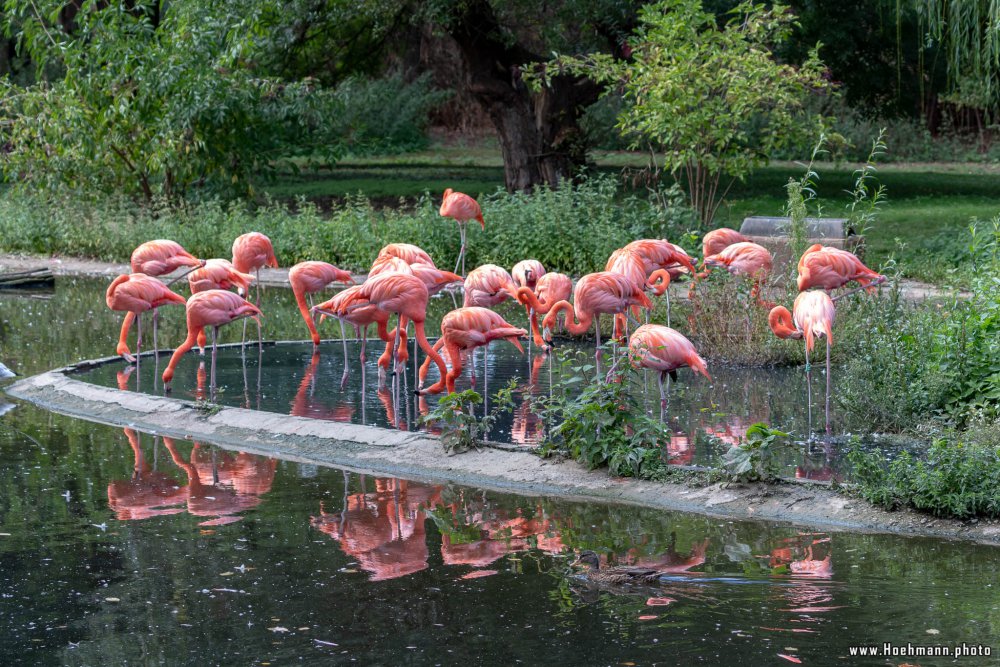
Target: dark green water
x=124 y=548
x=187 y=554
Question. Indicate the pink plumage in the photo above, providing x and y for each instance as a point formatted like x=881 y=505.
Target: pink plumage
x=253 y=251
x=830 y=268
x=157 y=258
x=663 y=349
x=488 y=285
x=461 y=207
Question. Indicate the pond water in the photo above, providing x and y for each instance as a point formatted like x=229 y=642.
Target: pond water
x=118 y=547
x=704 y=418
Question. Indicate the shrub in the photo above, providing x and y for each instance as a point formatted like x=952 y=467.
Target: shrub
x=573 y=229
x=461 y=428
x=756 y=459
x=598 y=421
x=953 y=480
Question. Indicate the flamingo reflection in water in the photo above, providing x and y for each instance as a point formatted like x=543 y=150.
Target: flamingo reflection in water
x=220 y=485
x=306 y=403
x=384 y=531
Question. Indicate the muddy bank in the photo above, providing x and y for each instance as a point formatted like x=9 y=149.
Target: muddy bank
x=420 y=456
x=74 y=266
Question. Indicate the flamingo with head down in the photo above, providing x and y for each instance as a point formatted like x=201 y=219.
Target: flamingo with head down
x=745 y=259
x=663 y=349
x=465 y=329
x=137 y=293
x=549 y=290
x=831 y=268
x=595 y=293
x=307 y=278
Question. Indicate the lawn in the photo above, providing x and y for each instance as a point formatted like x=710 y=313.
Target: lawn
x=924 y=224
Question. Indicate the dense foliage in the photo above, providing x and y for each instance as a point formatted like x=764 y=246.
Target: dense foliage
x=952 y=479
x=571 y=230
x=941 y=362
x=714 y=101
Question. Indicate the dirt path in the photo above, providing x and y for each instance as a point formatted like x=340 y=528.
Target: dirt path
x=72 y=266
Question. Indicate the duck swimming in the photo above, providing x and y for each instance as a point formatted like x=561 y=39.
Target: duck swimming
x=616 y=576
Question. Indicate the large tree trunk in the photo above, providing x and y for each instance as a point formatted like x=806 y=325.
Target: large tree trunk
x=539 y=135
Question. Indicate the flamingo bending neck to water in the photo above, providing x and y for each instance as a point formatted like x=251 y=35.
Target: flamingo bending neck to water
x=136 y=293
x=663 y=349
x=307 y=278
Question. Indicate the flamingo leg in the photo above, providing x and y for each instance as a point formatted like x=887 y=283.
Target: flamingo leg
x=211 y=375
x=343 y=339
x=597 y=352
x=138 y=349
x=395 y=343
x=461 y=251
x=668 y=306
x=663 y=395
x=809 y=398
x=828 y=386
x=364 y=341
x=156 y=319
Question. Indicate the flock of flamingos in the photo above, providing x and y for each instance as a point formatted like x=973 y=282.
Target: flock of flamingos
x=403 y=277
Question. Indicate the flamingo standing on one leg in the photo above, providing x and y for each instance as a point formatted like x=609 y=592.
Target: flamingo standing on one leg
x=251 y=252
x=213 y=308
x=831 y=268
x=136 y=293
x=663 y=349
x=465 y=329
x=549 y=290
x=595 y=293
x=156 y=258
x=813 y=316
x=405 y=295
x=307 y=278
x=718 y=240
x=462 y=208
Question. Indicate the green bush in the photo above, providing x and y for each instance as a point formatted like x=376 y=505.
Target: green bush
x=573 y=229
x=939 y=361
x=953 y=480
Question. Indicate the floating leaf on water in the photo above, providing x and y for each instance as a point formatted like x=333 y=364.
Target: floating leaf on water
x=790 y=658
x=477 y=574
x=932 y=631
x=119 y=600
x=278 y=628
x=646 y=617
x=226 y=574
x=304 y=629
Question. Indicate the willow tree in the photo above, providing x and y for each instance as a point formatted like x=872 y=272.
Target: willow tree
x=710 y=103
x=968 y=33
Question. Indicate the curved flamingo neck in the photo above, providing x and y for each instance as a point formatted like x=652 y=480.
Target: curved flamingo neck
x=300 y=300
x=575 y=323
x=181 y=350
x=659 y=280
x=780 y=321
x=418 y=326
x=123 y=336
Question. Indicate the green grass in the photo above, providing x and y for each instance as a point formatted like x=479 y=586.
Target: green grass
x=924 y=225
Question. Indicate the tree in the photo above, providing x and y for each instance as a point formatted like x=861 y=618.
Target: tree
x=139 y=98
x=712 y=101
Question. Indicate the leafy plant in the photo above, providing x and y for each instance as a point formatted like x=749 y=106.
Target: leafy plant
x=954 y=479
x=868 y=195
x=755 y=459
x=461 y=428
x=595 y=418
x=712 y=101
x=800 y=193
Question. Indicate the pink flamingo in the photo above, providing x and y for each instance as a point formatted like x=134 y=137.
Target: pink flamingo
x=217 y=274
x=405 y=295
x=629 y=263
x=549 y=290
x=136 y=293
x=813 y=317
x=362 y=318
x=663 y=349
x=488 y=285
x=718 y=240
x=527 y=272
x=156 y=258
x=307 y=278
x=465 y=329
x=407 y=252
x=831 y=268
x=657 y=254
x=745 y=259
x=251 y=252
x=213 y=308
x=594 y=294
x=462 y=208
